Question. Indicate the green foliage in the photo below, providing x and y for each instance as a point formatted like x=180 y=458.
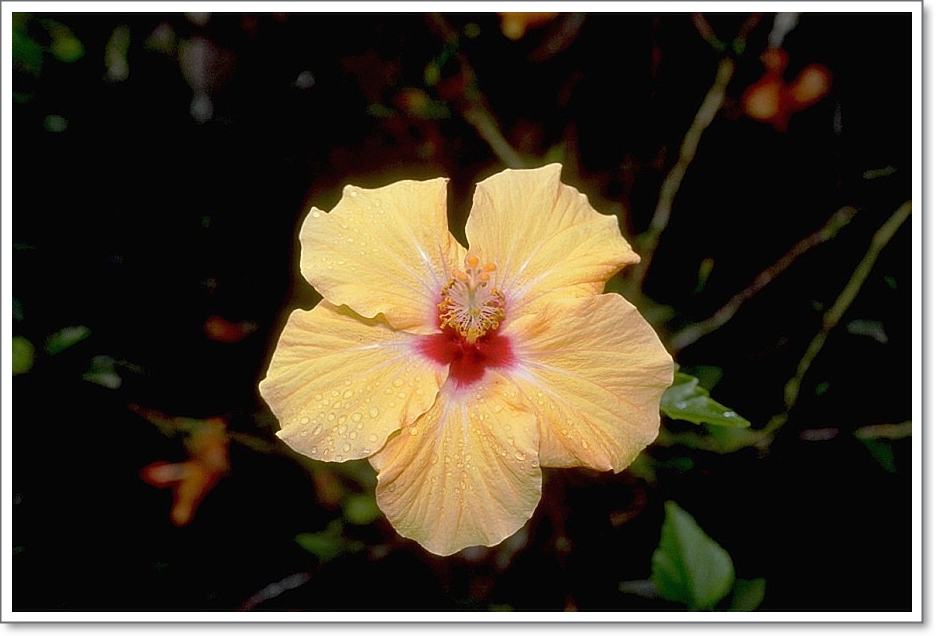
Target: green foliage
x=747 y=595
x=66 y=338
x=65 y=46
x=23 y=355
x=686 y=400
x=27 y=53
x=361 y=509
x=689 y=567
x=329 y=543
x=103 y=372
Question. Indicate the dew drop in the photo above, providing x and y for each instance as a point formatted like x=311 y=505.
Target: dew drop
x=374 y=411
x=356 y=417
x=413 y=430
x=304 y=420
x=330 y=417
x=372 y=437
x=316 y=214
x=391 y=487
x=346 y=447
x=398 y=382
x=304 y=432
x=352 y=435
x=339 y=458
x=348 y=393
x=520 y=456
x=434 y=459
x=317 y=429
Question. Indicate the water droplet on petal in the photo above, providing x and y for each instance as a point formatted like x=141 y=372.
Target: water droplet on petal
x=374 y=411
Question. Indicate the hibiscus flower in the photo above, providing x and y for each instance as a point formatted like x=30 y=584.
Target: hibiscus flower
x=460 y=374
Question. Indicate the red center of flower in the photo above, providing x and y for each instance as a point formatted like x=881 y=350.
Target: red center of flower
x=467 y=362
x=471 y=309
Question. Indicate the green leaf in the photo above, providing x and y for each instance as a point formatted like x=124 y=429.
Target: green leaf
x=23 y=355
x=103 y=373
x=883 y=452
x=65 y=338
x=361 y=509
x=747 y=595
x=730 y=440
x=689 y=567
x=65 y=46
x=329 y=543
x=27 y=53
x=686 y=400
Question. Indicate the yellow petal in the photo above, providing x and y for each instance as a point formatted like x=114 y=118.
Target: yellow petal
x=593 y=372
x=383 y=251
x=339 y=384
x=545 y=238
x=465 y=473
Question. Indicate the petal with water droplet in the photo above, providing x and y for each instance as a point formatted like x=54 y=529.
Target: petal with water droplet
x=593 y=373
x=485 y=488
x=331 y=351
x=411 y=260
x=547 y=240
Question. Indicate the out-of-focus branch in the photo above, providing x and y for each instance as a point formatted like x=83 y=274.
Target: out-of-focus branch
x=711 y=104
x=706 y=114
x=834 y=315
x=694 y=332
x=473 y=106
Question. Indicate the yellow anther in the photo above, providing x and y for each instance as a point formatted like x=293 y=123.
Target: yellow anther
x=469 y=305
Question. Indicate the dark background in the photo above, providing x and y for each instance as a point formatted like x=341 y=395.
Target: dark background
x=140 y=220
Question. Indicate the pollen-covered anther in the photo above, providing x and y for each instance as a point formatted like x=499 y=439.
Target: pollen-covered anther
x=470 y=303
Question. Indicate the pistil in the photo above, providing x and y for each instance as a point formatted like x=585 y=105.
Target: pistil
x=471 y=305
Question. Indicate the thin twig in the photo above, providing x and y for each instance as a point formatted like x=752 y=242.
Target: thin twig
x=706 y=114
x=694 y=332
x=473 y=107
x=834 y=315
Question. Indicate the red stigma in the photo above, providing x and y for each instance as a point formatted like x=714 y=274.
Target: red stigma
x=467 y=362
